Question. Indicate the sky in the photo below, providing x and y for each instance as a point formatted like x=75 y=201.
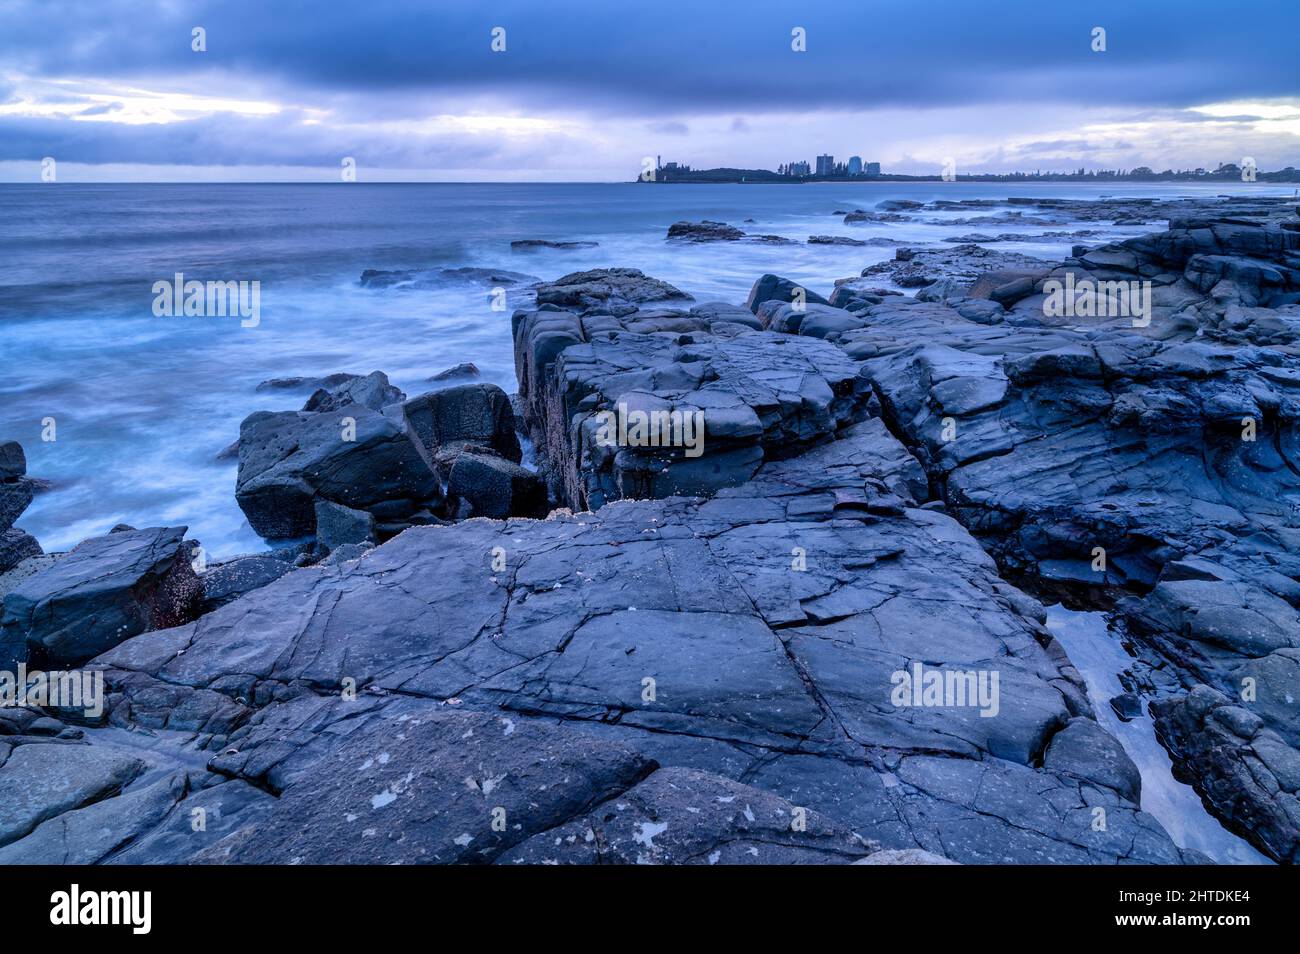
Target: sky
x=413 y=90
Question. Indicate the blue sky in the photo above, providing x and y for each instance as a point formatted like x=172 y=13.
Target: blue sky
x=584 y=90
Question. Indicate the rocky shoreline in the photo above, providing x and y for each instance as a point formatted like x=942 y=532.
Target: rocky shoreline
x=636 y=654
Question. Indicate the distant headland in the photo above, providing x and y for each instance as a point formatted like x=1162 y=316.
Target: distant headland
x=826 y=169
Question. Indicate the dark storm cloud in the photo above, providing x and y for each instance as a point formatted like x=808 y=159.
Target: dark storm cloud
x=669 y=57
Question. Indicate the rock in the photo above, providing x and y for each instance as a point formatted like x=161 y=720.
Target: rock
x=309 y=384
x=15 y=547
x=45 y=780
x=438 y=278
x=1084 y=749
x=908 y=856
x=962 y=264
x=16 y=489
x=834 y=240
x=704 y=231
x=1057 y=443
x=942 y=290
x=353 y=456
x=478 y=414
x=458 y=372
x=526 y=244
x=773 y=287
x=754 y=396
x=684 y=816
x=89 y=835
x=426 y=790
x=372 y=391
x=1231 y=774
x=761 y=672
x=495 y=487
x=227 y=806
x=105 y=590
x=13 y=462
x=337 y=525
x=606 y=288
x=1127 y=705
x=231 y=579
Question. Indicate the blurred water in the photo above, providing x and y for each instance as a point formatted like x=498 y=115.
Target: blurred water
x=1100 y=657
x=143 y=404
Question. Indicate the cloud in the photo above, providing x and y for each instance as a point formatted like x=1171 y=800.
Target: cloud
x=670 y=128
x=416 y=84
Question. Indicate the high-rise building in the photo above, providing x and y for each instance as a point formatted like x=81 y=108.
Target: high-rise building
x=873 y=168
x=855 y=165
x=825 y=165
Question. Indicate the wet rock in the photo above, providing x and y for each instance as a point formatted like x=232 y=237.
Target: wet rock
x=1084 y=749
x=704 y=231
x=834 y=240
x=16 y=492
x=307 y=383
x=419 y=279
x=527 y=244
x=458 y=372
x=1127 y=705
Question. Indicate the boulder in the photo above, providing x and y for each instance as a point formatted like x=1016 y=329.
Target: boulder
x=479 y=414
x=337 y=525
x=353 y=456
x=103 y=591
x=372 y=391
x=495 y=487
x=15 y=547
x=776 y=288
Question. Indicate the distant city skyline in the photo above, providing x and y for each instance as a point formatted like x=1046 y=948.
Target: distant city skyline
x=575 y=90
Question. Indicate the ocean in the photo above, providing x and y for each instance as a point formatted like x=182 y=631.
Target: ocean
x=142 y=405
